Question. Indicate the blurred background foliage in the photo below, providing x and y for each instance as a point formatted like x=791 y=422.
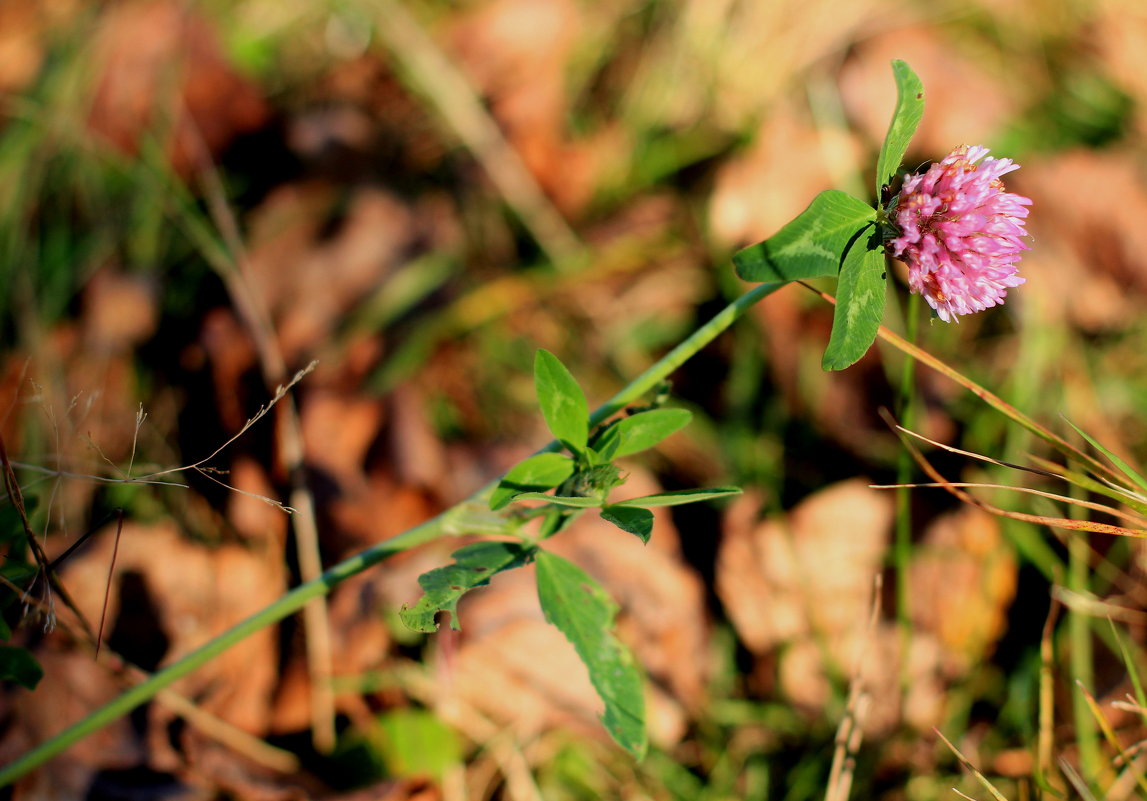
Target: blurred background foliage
x=199 y=198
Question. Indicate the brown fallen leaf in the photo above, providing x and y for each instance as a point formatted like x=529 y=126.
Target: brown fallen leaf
x=120 y=311
x=808 y=573
x=157 y=60
x=21 y=44
x=775 y=179
x=253 y=517
x=903 y=690
x=962 y=579
x=1119 y=32
x=228 y=350
x=521 y=672
x=13 y=385
x=27 y=28
x=524 y=674
x=799 y=588
x=358 y=103
x=338 y=431
x=1086 y=208
x=73 y=686
x=720 y=65
x=359 y=612
x=311 y=262
x=415 y=449
x=181 y=594
x=378 y=510
x=518 y=54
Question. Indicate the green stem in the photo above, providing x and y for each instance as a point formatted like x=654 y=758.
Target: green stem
x=681 y=354
x=1081 y=657
x=902 y=553
x=466 y=517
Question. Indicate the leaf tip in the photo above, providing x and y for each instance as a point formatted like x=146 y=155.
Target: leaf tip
x=834 y=361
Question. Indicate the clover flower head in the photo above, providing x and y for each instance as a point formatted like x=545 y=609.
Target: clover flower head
x=961 y=233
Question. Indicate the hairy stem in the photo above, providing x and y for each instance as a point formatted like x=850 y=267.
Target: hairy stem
x=465 y=518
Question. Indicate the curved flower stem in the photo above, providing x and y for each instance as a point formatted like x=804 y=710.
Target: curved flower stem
x=468 y=517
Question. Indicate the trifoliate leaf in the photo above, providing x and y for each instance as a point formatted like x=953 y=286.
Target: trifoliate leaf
x=812 y=245
x=540 y=472
x=584 y=613
x=905 y=120
x=564 y=406
x=679 y=497
x=604 y=446
x=636 y=521
x=473 y=566
x=579 y=501
x=643 y=430
x=860 y=296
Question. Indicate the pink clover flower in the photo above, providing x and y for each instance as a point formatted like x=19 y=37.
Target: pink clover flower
x=961 y=233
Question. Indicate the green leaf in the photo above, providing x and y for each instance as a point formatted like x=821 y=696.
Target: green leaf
x=605 y=445
x=584 y=613
x=1123 y=467
x=17 y=665
x=679 y=497
x=632 y=519
x=860 y=296
x=643 y=430
x=905 y=120
x=540 y=472
x=473 y=566
x=811 y=246
x=580 y=501
x=563 y=403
